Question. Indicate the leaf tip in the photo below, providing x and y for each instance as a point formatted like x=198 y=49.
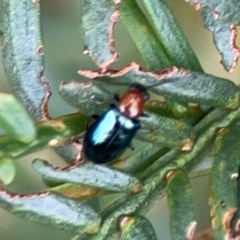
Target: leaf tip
x=7 y=170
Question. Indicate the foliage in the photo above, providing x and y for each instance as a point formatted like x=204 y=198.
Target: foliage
x=176 y=134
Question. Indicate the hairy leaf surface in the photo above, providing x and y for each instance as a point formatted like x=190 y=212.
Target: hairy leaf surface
x=171 y=36
x=166 y=131
x=89 y=98
x=224 y=35
x=88 y=174
x=175 y=83
x=96 y=27
x=53 y=210
x=23 y=56
x=226 y=10
x=151 y=49
x=181 y=205
x=223 y=186
x=136 y=228
x=15 y=120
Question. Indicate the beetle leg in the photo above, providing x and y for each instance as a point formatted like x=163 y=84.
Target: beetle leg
x=95 y=116
x=116 y=97
x=131 y=147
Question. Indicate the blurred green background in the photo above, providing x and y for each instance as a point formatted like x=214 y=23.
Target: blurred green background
x=63 y=58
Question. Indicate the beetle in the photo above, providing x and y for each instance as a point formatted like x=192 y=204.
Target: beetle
x=112 y=132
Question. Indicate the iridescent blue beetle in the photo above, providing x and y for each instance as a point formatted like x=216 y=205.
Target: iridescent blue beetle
x=112 y=132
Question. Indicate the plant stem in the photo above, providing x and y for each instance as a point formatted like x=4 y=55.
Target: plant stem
x=130 y=204
x=176 y=160
x=210 y=123
x=50 y=133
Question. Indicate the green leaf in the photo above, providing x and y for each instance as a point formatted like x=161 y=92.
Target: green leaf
x=178 y=108
x=166 y=131
x=70 y=151
x=171 y=36
x=89 y=97
x=177 y=84
x=96 y=28
x=191 y=116
x=223 y=188
x=7 y=170
x=206 y=132
x=227 y=11
x=15 y=120
x=50 y=133
x=114 y=235
x=181 y=205
x=140 y=159
x=22 y=55
x=75 y=191
x=89 y=174
x=53 y=210
x=127 y=205
x=152 y=51
x=159 y=108
x=156 y=179
x=224 y=35
x=136 y=228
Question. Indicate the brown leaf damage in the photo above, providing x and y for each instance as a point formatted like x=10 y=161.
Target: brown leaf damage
x=174 y=83
x=8 y=196
x=96 y=28
x=227 y=10
x=234 y=46
x=221 y=18
x=133 y=67
x=89 y=97
x=52 y=209
x=22 y=52
x=224 y=35
x=46 y=97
